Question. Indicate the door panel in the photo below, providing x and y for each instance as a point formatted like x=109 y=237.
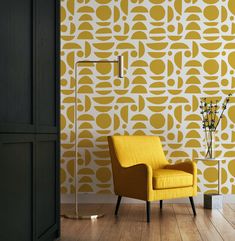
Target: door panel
x=46 y=169
x=16 y=61
x=46 y=65
x=16 y=182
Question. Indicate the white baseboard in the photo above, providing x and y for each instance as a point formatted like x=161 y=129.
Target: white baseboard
x=111 y=198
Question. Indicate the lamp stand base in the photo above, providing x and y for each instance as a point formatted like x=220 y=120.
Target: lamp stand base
x=80 y=215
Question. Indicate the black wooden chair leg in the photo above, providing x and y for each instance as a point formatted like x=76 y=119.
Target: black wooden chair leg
x=192 y=205
x=161 y=204
x=148 y=211
x=118 y=204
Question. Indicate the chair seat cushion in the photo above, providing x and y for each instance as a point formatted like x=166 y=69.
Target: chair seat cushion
x=166 y=178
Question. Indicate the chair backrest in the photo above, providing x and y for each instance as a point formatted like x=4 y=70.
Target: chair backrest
x=131 y=150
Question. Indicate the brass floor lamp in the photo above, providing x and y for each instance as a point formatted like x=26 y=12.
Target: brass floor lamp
x=77 y=214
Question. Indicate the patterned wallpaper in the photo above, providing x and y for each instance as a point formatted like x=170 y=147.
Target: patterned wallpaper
x=176 y=51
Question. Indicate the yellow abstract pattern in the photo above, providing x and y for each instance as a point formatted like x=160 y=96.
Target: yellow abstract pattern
x=175 y=52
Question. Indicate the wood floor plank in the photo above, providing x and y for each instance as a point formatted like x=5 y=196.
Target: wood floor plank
x=71 y=229
x=136 y=220
x=168 y=219
x=221 y=224
x=232 y=206
x=175 y=222
x=151 y=231
x=116 y=225
x=94 y=228
x=186 y=224
x=229 y=214
x=69 y=226
x=204 y=225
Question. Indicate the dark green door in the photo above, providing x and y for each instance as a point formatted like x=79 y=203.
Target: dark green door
x=29 y=120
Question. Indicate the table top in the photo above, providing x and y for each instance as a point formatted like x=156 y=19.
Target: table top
x=209 y=159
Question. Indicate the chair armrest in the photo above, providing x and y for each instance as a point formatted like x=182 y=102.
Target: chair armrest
x=187 y=166
x=134 y=181
x=136 y=172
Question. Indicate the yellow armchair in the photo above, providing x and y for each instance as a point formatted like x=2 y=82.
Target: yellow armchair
x=141 y=171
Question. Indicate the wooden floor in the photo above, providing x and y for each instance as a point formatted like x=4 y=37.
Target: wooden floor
x=175 y=222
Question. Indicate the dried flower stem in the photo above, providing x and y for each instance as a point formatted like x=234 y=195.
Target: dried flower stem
x=211 y=120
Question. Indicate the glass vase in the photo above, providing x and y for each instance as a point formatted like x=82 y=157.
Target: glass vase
x=210 y=144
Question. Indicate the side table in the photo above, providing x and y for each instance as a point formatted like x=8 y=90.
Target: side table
x=214 y=200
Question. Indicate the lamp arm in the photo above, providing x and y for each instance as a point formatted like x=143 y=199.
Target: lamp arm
x=119 y=61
